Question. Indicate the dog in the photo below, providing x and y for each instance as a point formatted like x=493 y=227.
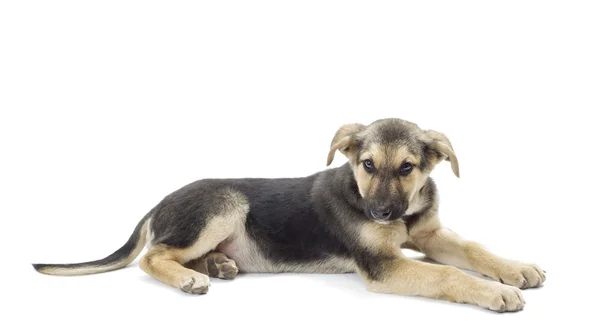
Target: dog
x=354 y=218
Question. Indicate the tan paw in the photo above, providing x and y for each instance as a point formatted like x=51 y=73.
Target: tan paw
x=195 y=284
x=501 y=298
x=220 y=266
x=521 y=275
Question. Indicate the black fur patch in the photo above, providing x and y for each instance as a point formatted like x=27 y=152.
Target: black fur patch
x=284 y=221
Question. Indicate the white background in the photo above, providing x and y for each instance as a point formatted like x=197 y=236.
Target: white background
x=108 y=106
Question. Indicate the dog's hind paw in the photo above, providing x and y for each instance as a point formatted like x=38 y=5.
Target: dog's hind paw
x=220 y=266
x=197 y=284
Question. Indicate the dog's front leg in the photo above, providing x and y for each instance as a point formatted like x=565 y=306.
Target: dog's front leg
x=409 y=277
x=448 y=247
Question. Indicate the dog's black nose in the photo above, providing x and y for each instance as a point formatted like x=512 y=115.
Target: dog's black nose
x=381 y=213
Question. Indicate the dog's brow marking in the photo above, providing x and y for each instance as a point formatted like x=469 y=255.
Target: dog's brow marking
x=367 y=155
x=401 y=155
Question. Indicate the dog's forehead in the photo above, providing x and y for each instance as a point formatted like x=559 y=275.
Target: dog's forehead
x=391 y=130
x=393 y=137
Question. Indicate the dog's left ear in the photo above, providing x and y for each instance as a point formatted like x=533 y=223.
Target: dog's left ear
x=438 y=144
x=345 y=140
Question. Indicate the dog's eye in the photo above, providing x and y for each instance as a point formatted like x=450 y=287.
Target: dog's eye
x=368 y=164
x=406 y=168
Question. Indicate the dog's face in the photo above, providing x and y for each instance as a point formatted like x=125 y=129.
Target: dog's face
x=391 y=160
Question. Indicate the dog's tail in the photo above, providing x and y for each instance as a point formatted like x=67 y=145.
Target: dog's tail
x=117 y=260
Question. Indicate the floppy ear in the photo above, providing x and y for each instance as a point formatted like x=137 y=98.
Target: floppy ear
x=441 y=146
x=344 y=140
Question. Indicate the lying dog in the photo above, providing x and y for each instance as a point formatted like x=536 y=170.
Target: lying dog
x=354 y=218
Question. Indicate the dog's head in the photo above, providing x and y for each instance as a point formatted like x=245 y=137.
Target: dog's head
x=391 y=160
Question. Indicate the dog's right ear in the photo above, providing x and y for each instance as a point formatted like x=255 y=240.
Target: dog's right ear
x=345 y=140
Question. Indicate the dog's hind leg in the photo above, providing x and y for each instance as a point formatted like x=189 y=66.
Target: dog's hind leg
x=165 y=262
x=215 y=264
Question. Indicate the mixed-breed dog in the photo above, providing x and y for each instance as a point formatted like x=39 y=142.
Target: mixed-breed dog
x=354 y=218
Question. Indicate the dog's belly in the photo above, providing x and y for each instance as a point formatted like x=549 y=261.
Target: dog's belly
x=249 y=258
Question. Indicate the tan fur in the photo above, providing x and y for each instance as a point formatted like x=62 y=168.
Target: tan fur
x=363 y=180
x=383 y=238
x=416 y=201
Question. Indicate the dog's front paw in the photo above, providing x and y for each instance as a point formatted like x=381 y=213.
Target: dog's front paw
x=501 y=298
x=520 y=275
